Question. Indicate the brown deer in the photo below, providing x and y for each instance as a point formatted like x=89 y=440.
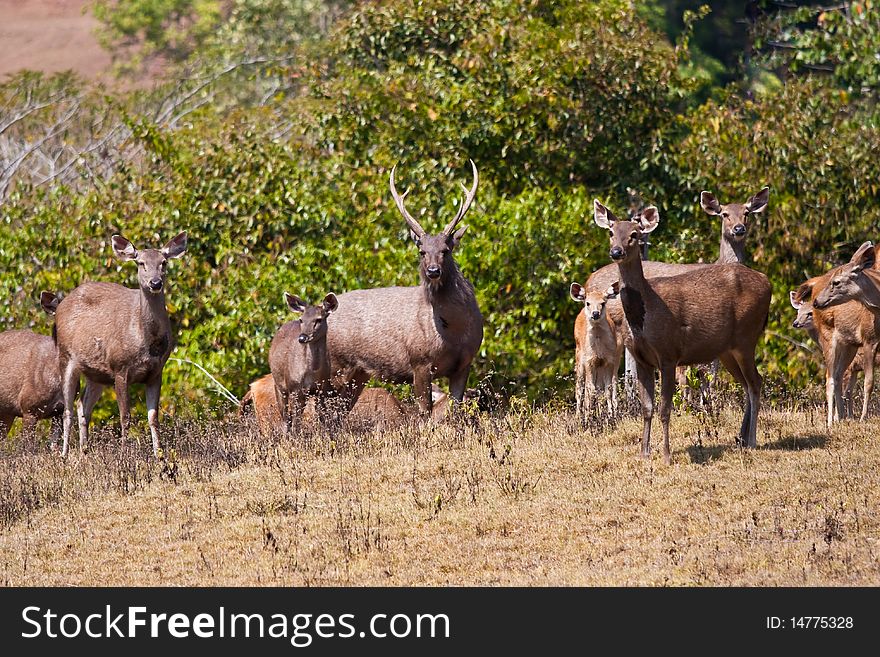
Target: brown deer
x=299 y=361
x=847 y=329
x=376 y=407
x=114 y=335
x=30 y=381
x=411 y=334
x=717 y=311
x=598 y=349
x=736 y=221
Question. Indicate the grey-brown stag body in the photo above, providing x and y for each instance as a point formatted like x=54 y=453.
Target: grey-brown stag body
x=30 y=381
x=411 y=334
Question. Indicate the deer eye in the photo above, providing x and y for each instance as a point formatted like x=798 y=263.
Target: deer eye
x=725 y=215
x=422 y=253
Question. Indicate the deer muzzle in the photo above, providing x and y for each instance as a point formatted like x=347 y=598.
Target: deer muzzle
x=616 y=253
x=739 y=230
x=303 y=338
x=433 y=272
x=155 y=284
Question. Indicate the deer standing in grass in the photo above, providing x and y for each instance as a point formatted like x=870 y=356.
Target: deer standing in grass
x=113 y=335
x=848 y=335
x=411 y=334
x=857 y=281
x=598 y=348
x=30 y=380
x=736 y=219
x=716 y=311
x=299 y=361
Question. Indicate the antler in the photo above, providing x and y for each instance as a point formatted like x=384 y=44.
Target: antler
x=465 y=204
x=398 y=199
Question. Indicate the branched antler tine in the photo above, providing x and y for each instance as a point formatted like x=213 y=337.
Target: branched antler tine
x=398 y=199
x=466 y=203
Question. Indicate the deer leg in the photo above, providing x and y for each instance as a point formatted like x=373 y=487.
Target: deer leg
x=843 y=356
x=645 y=378
x=579 y=394
x=297 y=402
x=87 y=400
x=70 y=384
x=869 y=353
x=55 y=431
x=29 y=429
x=731 y=365
x=746 y=362
x=282 y=398
x=120 y=385
x=154 y=389
x=457 y=384
x=422 y=389
x=667 y=390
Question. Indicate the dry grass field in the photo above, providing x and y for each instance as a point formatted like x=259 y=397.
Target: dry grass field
x=520 y=498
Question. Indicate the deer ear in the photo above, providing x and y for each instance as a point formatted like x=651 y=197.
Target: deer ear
x=649 y=219
x=863 y=257
x=577 y=292
x=709 y=203
x=123 y=249
x=296 y=304
x=457 y=235
x=330 y=303
x=759 y=201
x=612 y=291
x=796 y=303
x=602 y=215
x=49 y=302
x=176 y=246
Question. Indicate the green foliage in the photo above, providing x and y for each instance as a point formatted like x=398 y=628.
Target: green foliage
x=840 y=40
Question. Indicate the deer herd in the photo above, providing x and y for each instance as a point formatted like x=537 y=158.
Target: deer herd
x=667 y=316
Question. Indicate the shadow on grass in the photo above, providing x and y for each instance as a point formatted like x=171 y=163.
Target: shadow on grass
x=702 y=455
x=798 y=442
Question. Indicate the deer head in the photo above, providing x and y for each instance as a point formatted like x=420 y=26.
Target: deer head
x=49 y=302
x=313 y=324
x=846 y=283
x=151 y=262
x=593 y=300
x=735 y=217
x=804 y=319
x=435 y=251
x=626 y=236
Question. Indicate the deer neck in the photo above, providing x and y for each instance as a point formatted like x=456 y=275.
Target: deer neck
x=152 y=314
x=634 y=292
x=869 y=283
x=316 y=354
x=731 y=251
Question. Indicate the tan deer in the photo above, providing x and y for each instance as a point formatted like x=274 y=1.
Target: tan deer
x=376 y=407
x=736 y=219
x=114 y=335
x=857 y=281
x=847 y=329
x=598 y=349
x=716 y=311
x=30 y=379
x=299 y=360
x=411 y=334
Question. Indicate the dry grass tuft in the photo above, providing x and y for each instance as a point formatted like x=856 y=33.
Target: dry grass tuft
x=517 y=498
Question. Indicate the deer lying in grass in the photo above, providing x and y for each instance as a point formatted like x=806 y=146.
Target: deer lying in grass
x=598 y=349
x=716 y=311
x=411 y=334
x=857 y=281
x=376 y=407
x=114 y=335
x=30 y=380
x=846 y=330
x=299 y=360
x=736 y=221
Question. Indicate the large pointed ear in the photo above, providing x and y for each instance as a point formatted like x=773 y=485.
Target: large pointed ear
x=457 y=235
x=709 y=203
x=123 y=249
x=805 y=291
x=863 y=257
x=49 y=302
x=176 y=247
x=612 y=291
x=759 y=201
x=296 y=304
x=649 y=219
x=330 y=303
x=796 y=302
x=577 y=292
x=603 y=216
